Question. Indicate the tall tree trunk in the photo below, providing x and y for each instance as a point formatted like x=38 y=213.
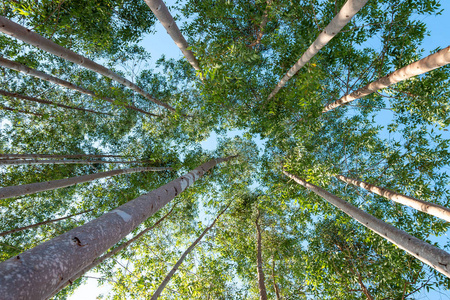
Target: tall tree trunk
x=350 y=8
x=431 y=62
x=104 y=257
x=41 y=223
x=20 y=110
x=23 y=97
x=160 y=10
x=169 y=275
x=259 y=263
x=432 y=256
x=31 y=188
x=64 y=162
x=15 y=155
x=41 y=75
x=275 y=285
x=38 y=272
x=19 y=32
x=423 y=206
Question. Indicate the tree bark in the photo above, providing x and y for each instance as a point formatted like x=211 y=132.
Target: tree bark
x=23 y=97
x=350 y=8
x=41 y=223
x=423 y=206
x=32 y=188
x=41 y=75
x=15 y=155
x=64 y=162
x=104 y=257
x=180 y=261
x=259 y=263
x=262 y=25
x=19 y=110
x=432 y=256
x=431 y=62
x=38 y=272
x=161 y=12
x=275 y=285
x=19 y=32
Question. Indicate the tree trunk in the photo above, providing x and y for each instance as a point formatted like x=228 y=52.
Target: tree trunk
x=19 y=110
x=41 y=75
x=261 y=284
x=64 y=162
x=423 y=206
x=19 y=32
x=275 y=285
x=350 y=8
x=27 y=189
x=432 y=256
x=431 y=62
x=14 y=155
x=41 y=223
x=38 y=272
x=15 y=95
x=180 y=261
x=104 y=257
x=160 y=10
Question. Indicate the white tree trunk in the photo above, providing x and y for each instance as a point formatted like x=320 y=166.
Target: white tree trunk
x=160 y=10
x=432 y=256
x=19 y=32
x=41 y=75
x=431 y=62
x=27 y=189
x=38 y=272
x=350 y=8
x=423 y=206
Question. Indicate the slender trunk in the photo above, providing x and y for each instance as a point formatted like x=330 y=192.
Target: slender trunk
x=432 y=256
x=261 y=284
x=32 y=188
x=41 y=223
x=160 y=10
x=38 y=272
x=262 y=25
x=41 y=75
x=19 y=110
x=166 y=280
x=23 y=97
x=350 y=8
x=19 y=32
x=104 y=257
x=64 y=162
x=14 y=155
x=275 y=285
x=423 y=206
x=431 y=62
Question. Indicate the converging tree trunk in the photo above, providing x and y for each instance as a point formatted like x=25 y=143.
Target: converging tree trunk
x=31 y=188
x=259 y=263
x=64 y=162
x=275 y=285
x=431 y=62
x=15 y=155
x=180 y=261
x=111 y=253
x=20 y=110
x=161 y=12
x=432 y=256
x=26 y=35
x=41 y=223
x=41 y=75
x=262 y=25
x=350 y=8
x=23 y=97
x=423 y=206
x=38 y=272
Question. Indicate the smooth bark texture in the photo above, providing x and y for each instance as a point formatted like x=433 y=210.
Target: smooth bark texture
x=431 y=62
x=63 y=162
x=41 y=223
x=38 y=272
x=432 y=256
x=423 y=206
x=27 y=189
x=104 y=257
x=41 y=75
x=180 y=261
x=15 y=155
x=19 y=32
x=23 y=97
x=350 y=8
x=261 y=284
x=160 y=10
